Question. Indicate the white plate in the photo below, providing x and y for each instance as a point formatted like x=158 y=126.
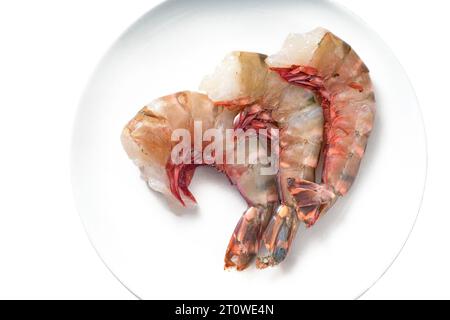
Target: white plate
x=160 y=252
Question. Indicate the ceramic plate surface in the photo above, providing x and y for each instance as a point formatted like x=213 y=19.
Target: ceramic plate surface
x=159 y=251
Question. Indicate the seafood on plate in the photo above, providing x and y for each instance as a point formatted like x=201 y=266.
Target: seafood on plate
x=313 y=100
x=300 y=121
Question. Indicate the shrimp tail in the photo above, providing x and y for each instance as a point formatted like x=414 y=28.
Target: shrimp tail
x=311 y=199
x=244 y=243
x=278 y=237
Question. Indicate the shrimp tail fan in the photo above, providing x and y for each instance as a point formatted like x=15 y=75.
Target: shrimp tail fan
x=311 y=199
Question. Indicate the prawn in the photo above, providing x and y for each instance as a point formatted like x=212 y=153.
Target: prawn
x=147 y=139
x=297 y=115
x=316 y=91
x=322 y=63
x=336 y=97
x=235 y=85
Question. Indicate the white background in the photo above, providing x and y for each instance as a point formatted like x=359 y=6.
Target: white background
x=48 y=49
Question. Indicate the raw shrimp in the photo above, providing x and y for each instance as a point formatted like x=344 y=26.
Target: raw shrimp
x=236 y=84
x=260 y=193
x=341 y=81
x=148 y=141
x=316 y=89
x=324 y=64
x=330 y=74
x=274 y=103
x=299 y=118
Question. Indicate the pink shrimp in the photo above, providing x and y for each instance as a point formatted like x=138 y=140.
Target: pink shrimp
x=148 y=141
x=324 y=64
x=272 y=103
